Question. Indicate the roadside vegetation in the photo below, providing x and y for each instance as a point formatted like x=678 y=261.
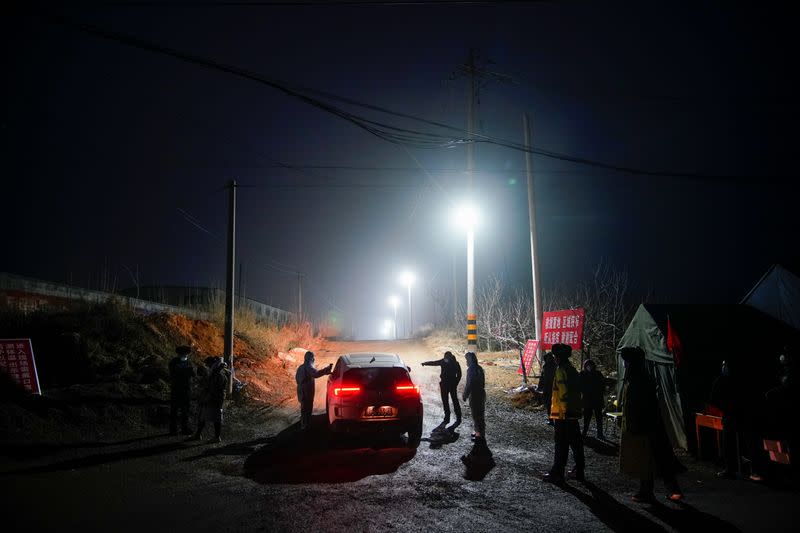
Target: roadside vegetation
x=104 y=363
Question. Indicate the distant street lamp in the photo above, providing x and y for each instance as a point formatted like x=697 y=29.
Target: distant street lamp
x=466 y=217
x=394 y=301
x=407 y=278
x=387 y=327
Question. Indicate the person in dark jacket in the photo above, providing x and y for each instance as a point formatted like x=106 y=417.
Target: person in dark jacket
x=212 y=397
x=645 y=450
x=592 y=395
x=475 y=393
x=566 y=411
x=181 y=372
x=546 y=383
x=305 y=376
x=448 y=384
x=725 y=396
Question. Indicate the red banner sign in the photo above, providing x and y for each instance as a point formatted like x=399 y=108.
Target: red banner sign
x=16 y=360
x=562 y=327
x=528 y=356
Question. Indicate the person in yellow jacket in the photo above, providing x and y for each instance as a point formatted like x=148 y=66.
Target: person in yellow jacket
x=565 y=411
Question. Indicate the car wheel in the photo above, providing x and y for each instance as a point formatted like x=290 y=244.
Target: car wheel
x=415 y=435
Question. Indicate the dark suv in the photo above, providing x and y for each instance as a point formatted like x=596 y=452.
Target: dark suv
x=373 y=392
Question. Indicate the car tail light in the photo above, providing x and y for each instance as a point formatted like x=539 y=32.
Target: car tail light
x=407 y=390
x=346 y=391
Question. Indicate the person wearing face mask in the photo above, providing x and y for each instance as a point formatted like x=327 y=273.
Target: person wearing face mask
x=305 y=376
x=181 y=372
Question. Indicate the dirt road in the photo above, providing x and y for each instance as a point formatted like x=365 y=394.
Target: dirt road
x=266 y=476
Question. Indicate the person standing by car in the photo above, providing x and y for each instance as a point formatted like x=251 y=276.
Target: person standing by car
x=644 y=448
x=212 y=397
x=181 y=372
x=565 y=412
x=592 y=391
x=305 y=376
x=475 y=393
x=448 y=385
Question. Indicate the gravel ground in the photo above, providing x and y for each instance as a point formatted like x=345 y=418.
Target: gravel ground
x=266 y=476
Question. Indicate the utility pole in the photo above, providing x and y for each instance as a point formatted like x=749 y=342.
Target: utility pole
x=240 y=285
x=537 y=287
x=300 y=296
x=231 y=266
x=475 y=74
x=455 y=291
x=472 y=318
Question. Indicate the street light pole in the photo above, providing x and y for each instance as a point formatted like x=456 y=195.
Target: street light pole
x=394 y=301
x=410 y=314
x=472 y=322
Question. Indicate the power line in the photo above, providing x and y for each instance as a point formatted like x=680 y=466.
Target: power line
x=323 y=3
x=390 y=133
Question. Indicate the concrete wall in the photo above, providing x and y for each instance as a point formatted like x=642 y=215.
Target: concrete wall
x=29 y=294
x=208 y=298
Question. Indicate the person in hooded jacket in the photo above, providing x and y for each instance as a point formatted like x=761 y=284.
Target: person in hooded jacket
x=305 y=376
x=181 y=372
x=212 y=397
x=645 y=450
x=565 y=412
x=546 y=383
x=448 y=384
x=592 y=392
x=475 y=393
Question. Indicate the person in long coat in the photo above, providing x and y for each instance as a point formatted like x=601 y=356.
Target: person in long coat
x=449 y=377
x=305 y=376
x=212 y=397
x=726 y=395
x=592 y=393
x=645 y=450
x=475 y=394
x=546 y=383
x=181 y=372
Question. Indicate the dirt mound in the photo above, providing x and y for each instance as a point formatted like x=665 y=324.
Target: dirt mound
x=109 y=351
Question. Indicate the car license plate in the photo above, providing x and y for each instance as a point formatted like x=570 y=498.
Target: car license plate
x=383 y=411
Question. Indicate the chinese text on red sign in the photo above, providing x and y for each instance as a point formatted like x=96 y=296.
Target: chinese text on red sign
x=562 y=327
x=16 y=360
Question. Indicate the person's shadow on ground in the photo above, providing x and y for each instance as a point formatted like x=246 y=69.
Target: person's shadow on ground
x=602 y=447
x=610 y=512
x=316 y=455
x=478 y=462
x=689 y=519
x=442 y=435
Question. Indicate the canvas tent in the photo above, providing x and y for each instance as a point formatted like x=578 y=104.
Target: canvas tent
x=684 y=348
x=777 y=294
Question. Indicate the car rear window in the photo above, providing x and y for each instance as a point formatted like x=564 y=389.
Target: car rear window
x=377 y=378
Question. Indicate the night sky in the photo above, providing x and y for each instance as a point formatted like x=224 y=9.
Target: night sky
x=108 y=150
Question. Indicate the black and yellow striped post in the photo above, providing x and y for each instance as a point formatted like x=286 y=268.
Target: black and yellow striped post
x=472 y=333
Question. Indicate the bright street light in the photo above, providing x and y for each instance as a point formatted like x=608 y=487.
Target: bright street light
x=407 y=278
x=467 y=217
